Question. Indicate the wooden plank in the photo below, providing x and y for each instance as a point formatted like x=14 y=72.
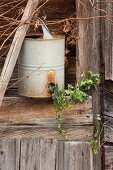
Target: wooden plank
x=75 y=133
x=88 y=44
x=20 y=110
x=44 y=154
x=108 y=129
x=108 y=115
x=108 y=104
x=108 y=157
x=38 y=154
x=27 y=117
x=88 y=49
x=9 y=154
x=107 y=39
x=74 y=156
x=15 y=47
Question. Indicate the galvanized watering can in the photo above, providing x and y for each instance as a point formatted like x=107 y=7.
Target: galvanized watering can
x=41 y=61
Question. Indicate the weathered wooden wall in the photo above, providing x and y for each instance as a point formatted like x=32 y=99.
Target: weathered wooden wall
x=88 y=57
x=107 y=89
x=44 y=154
x=29 y=139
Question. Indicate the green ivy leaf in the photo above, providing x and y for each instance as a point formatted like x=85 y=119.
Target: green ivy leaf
x=61 y=99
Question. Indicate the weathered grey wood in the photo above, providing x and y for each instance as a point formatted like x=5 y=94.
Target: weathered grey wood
x=19 y=110
x=74 y=156
x=88 y=49
x=108 y=112
x=38 y=154
x=77 y=133
x=108 y=104
x=44 y=154
x=108 y=129
x=9 y=154
x=27 y=117
x=108 y=157
x=15 y=47
x=108 y=117
x=107 y=39
x=88 y=43
x=88 y=52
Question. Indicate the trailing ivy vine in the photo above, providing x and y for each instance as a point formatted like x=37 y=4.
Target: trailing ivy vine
x=62 y=98
x=95 y=140
x=60 y=102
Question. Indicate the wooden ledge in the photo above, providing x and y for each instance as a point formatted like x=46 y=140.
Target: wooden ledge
x=25 y=117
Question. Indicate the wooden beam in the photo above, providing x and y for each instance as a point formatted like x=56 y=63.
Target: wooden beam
x=88 y=49
x=15 y=47
x=107 y=39
x=88 y=44
x=27 y=117
x=20 y=110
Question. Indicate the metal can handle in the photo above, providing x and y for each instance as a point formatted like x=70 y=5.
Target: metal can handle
x=46 y=32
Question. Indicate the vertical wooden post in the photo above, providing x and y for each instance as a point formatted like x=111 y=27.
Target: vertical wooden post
x=88 y=46
x=107 y=98
x=88 y=49
x=15 y=47
x=107 y=38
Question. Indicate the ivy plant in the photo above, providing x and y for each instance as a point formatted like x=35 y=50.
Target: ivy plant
x=60 y=102
x=62 y=98
x=95 y=140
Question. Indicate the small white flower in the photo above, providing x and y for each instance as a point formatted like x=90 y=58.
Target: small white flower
x=82 y=75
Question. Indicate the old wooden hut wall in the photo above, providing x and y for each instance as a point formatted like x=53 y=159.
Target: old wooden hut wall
x=53 y=11
x=107 y=89
x=61 y=9
x=29 y=139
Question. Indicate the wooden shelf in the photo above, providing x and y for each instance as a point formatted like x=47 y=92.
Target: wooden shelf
x=25 y=117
